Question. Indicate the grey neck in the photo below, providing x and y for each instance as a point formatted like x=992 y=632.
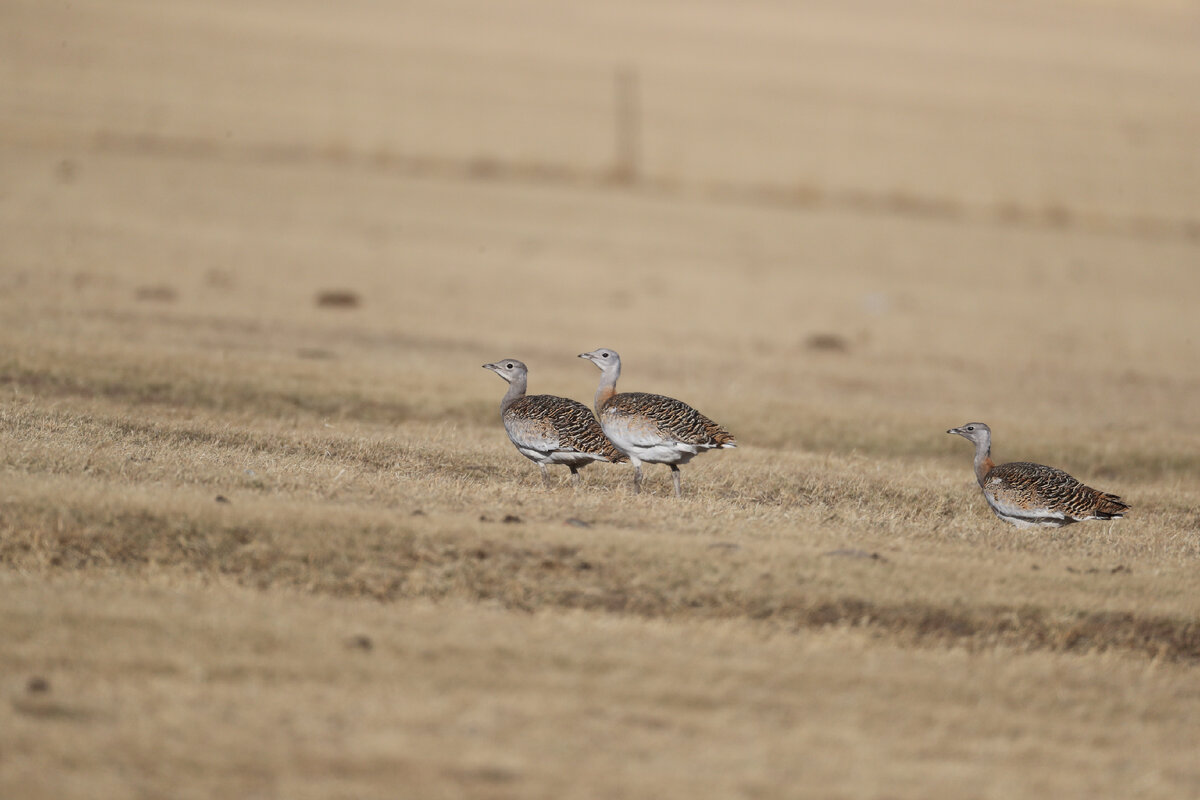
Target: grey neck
x=608 y=385
x=983 y=457
x=516 y=390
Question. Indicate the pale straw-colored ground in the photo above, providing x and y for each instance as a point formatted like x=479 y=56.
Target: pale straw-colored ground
x=252 y=545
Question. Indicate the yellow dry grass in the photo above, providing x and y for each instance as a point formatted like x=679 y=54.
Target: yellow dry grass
x=261 y=533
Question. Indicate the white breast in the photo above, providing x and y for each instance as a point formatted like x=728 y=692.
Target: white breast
x=1024 y=517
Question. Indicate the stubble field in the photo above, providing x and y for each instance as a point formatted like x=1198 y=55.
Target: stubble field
x=261 y=532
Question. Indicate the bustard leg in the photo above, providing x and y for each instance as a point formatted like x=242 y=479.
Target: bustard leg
x=637 y=475
x=574 y=475
x=545 y=475
x=675 y=478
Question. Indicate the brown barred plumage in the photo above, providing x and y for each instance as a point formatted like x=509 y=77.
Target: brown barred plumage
x=673 y=418
x=1035 y=486
x=1027 y=494
x=562 y=422
x=651 y=427
x=547 y=429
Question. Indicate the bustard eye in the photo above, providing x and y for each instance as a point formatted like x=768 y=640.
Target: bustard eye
x=508 y=366
x=969 y=427
x=604 y=355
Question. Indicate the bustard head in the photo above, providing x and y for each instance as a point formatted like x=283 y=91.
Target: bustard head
x=508 y=368
x=602 y=358
x=975 y=431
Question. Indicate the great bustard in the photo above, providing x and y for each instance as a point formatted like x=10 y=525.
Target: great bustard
x=650 y=427
x=1029 y=495
x=548 y=429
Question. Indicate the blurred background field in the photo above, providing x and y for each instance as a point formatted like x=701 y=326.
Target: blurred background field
x=253 y=480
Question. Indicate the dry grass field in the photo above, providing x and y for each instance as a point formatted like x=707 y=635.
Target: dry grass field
x=262 y=534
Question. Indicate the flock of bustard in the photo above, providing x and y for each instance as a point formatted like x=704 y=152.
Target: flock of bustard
x=640 y=427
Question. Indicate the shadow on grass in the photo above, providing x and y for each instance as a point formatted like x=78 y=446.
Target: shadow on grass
x=401 y=560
